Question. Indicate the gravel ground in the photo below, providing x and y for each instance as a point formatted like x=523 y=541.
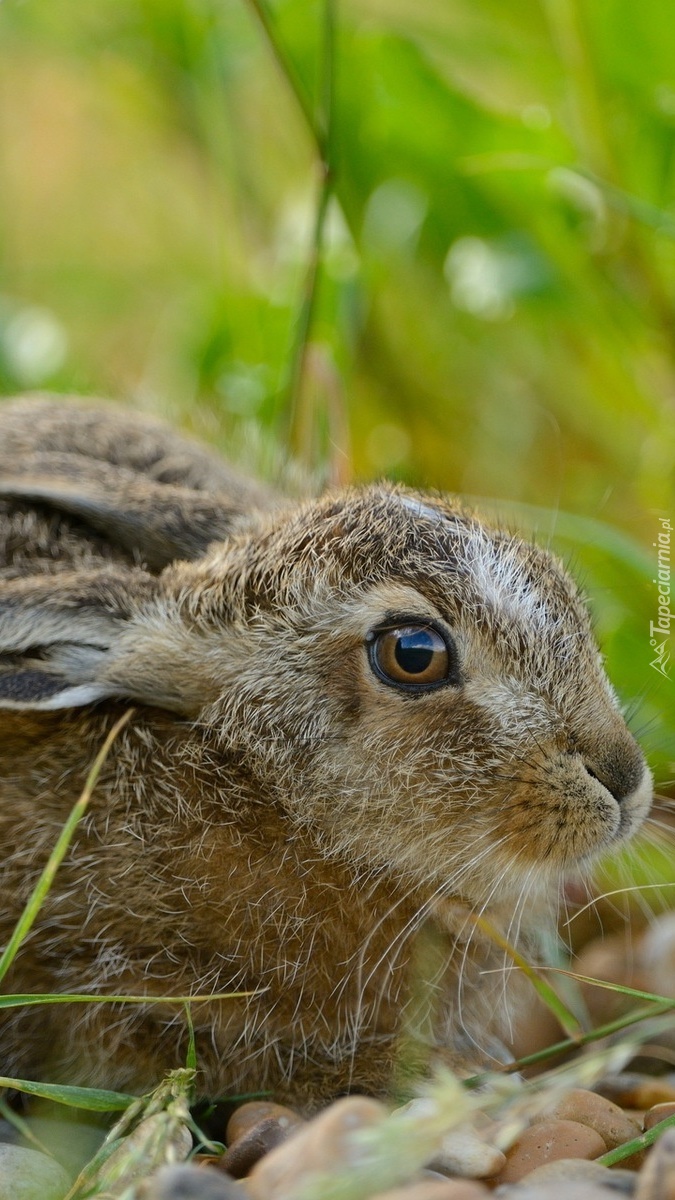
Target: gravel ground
x=546 y=1138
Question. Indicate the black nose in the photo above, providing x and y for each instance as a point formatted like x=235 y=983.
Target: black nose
x=621 y=772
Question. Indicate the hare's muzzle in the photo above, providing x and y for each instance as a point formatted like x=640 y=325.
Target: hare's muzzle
x=622 y=770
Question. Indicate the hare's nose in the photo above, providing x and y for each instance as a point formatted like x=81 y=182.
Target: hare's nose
x=622 y=771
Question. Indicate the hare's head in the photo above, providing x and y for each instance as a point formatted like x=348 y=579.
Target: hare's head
x=417 y=692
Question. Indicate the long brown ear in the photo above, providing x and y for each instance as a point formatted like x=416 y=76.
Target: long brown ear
x=59 y=636
x=158 y=521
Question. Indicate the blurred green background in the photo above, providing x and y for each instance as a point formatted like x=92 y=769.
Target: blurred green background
x=495 y=312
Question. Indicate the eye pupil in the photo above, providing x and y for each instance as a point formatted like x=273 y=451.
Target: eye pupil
x=414 y=651
x=413 y=657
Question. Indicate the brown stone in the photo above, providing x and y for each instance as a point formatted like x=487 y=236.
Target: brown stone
x=252 y=1131
x=654 y=1091
x=186 y=1182
x=656 y=1180
x=546 y=1141
x=658 y=1113
x=631 y=1090
x=427 y=1189
x=557 y=1189
x=250 y=1114
x=611 y=959
x=656 y=954
x=323 y=1145
x=536 y=1028
x=581 y=1170
x=466 y=1153
x=258 y=1140
x=596 y=1112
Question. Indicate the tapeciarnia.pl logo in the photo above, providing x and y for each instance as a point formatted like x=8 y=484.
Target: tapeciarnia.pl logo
x=659 y=630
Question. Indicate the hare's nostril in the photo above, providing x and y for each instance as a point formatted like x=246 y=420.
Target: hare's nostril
x=621 y=777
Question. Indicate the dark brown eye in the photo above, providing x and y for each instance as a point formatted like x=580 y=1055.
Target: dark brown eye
x=411 y=657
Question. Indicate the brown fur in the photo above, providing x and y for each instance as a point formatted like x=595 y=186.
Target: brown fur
x=275 y=818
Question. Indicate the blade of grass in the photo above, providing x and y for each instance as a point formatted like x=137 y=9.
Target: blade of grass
x=28 y=1000
x=286 y=66
x=191 y=1057
x=573 y=1043
x=92 y=1099
x=44 y=883
x=615 y=987
x=291 y=398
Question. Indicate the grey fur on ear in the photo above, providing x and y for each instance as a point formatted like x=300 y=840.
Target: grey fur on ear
x=58 y=635
x=160 y=522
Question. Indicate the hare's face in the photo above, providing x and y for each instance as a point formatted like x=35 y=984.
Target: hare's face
x=422 y=693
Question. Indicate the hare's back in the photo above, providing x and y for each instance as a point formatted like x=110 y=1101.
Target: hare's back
x=100 y=432
x=35 y=541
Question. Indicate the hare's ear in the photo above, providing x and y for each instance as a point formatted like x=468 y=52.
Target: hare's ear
x=158 y=521
x=60 y=638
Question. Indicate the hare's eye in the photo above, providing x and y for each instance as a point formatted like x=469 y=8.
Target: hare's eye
x=411 y=657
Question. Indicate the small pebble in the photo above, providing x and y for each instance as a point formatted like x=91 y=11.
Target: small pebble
x=657 y=955
x=322 y=1145
x=256 y=1141
x=464 y=1153
x=184 y=1182
x=247 y=1115
x=555 y=1190
x=656 y=1180
x=539 y=1030
x=607 y=958
x=72 y=1139
x=547 y=1141
x=449 y=1189
x=582 y=1170
x=29 y=1175
x=658 y=1113
x=630 y=1090
x=654 y=1091
x=596 y=1112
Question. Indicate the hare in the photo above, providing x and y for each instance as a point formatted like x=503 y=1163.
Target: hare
x=355 y=717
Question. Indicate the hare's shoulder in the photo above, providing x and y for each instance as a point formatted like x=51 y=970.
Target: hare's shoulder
x=88 y=484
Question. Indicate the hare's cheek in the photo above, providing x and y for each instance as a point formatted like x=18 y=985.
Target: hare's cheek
x=554 y=824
